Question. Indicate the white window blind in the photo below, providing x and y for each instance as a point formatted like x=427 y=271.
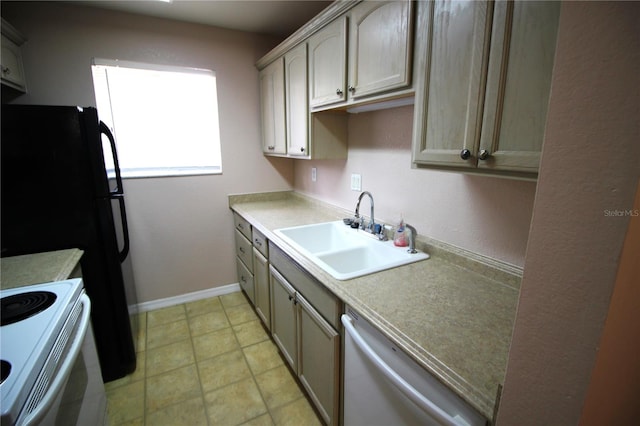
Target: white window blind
x=164 y=119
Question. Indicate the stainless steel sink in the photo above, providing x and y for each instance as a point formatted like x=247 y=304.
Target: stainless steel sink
x=344 y=252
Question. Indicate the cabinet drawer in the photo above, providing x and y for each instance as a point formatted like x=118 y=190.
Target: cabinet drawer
x=244 y=250
x=326 y=303
x=242 y=225
x=260 y=242
x=245 y=279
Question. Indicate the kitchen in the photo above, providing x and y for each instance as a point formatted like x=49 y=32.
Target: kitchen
x=509 y=220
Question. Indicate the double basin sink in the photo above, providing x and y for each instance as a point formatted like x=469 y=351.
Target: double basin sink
x=344 y=252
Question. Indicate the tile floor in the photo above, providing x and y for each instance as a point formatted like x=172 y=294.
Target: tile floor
x=208 y=362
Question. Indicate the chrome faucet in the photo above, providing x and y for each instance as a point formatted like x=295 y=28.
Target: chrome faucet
x=412 y=238
x=372 y=224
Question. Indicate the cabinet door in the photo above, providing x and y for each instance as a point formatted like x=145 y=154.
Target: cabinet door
x=12 y=71
x=297 y=106
x=261 y=290
x=380 y=36
x=452 y=47
x=328 y=64
x=518 y=84
x=283 y=317
x=318 y=364
x=273 y=108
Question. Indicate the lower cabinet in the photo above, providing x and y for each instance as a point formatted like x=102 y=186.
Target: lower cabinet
x=301 y=314
x=318 y=359
x=284 y=318
x=309 y=343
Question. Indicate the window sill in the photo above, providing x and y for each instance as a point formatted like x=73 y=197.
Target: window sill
x=168 y=172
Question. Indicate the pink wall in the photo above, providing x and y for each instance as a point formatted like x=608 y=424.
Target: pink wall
x=181 y=227
x=486 y=215
x=590 y=166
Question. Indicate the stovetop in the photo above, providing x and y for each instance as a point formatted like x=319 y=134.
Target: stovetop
x=25 y=343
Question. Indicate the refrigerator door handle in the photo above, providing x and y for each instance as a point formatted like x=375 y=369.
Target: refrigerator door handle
x=125 y=227
x=104 y=129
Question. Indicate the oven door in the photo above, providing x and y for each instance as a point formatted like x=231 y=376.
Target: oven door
x=75 y=395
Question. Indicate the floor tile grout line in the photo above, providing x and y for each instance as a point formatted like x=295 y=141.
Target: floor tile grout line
x=195 y=360
x=253 y=376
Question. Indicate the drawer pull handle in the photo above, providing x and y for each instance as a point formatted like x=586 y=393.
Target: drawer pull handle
x=258 y=242
x=240 y=226
x=241 y=250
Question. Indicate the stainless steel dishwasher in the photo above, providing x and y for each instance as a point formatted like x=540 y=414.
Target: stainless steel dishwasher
x=384 y=386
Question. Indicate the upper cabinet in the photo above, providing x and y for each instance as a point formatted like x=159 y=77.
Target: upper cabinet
x=379 y=39
x=518 y=85
x=452 y=48
x=352 y=53
x=328 y=64
x=297 y=101
x=288 y=129
x=380 y=47
x=273 y=108
x=482 y=93
x=12 y=70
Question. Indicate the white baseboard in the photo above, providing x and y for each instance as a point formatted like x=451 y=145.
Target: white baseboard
x=189 y=297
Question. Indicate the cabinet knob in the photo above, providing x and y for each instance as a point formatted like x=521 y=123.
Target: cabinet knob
x=271 y=147
x=352 y=89
x=483 y=154
x=465 y=154
x=6 y=70
x=339 y=92
x=301 y=149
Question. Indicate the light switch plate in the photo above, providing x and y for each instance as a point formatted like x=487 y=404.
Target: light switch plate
x=313 y=174
x=356 y=182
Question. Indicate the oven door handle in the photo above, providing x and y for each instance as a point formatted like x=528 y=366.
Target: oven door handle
x=65 y=369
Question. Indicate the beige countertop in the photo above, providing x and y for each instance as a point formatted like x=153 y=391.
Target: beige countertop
x=452 y=313
x=18 y=271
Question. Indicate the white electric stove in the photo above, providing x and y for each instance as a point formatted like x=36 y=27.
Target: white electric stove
x=42 y=337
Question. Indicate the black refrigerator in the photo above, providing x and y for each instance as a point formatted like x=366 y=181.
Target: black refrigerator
x=56 y=193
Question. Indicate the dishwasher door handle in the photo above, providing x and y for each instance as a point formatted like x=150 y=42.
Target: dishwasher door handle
x=409 y=391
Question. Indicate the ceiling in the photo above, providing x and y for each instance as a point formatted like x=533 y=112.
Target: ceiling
x=277 y=18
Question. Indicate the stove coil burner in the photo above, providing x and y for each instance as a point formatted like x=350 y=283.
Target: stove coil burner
x=23 y=305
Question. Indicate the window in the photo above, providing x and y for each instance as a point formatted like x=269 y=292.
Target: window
x=164 y=119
